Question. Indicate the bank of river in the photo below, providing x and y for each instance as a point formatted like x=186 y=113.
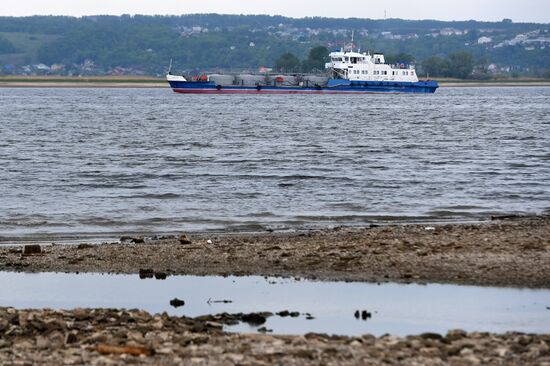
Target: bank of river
x=509 y=252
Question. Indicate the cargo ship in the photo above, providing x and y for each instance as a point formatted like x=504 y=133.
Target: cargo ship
x=347 y=72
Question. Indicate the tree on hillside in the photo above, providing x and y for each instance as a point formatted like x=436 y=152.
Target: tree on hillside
x=456 y=65
x=6 y=46
x=287 y=62
x=461 y=65
x=435 y=66
x=316 y=59
x=404 y=58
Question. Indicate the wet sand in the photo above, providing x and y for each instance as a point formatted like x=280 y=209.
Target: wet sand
x=509 y=252
x=115 y=337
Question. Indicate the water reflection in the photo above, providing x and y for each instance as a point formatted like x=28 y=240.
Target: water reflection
x=395 y=308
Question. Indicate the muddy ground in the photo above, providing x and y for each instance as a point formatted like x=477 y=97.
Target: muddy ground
x=507 y=252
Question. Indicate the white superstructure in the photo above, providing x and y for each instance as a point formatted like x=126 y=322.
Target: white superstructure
x=363 y=66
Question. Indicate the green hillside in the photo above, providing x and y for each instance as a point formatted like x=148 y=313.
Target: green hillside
x=25 y=46
x=144 y=45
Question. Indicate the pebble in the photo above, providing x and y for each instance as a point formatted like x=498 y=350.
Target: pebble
x=32 y=249
x=183 y=239
x=175 y=302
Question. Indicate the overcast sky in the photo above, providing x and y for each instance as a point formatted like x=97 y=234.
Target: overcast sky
x=491 y=10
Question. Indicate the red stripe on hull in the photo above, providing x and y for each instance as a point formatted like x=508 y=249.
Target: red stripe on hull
x=263 y=91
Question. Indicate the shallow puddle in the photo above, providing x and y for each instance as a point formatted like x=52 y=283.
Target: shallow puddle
x=394 y=308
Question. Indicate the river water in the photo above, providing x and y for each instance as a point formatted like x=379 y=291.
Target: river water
x=99 y=162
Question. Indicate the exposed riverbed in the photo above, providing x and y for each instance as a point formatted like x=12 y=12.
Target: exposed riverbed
x=506 y=252
x=512 y=252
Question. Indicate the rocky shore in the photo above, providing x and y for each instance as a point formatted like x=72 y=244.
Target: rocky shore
x=123 y=337
x=503 y=252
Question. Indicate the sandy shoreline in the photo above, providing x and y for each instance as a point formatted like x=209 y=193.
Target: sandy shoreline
x=513 y=252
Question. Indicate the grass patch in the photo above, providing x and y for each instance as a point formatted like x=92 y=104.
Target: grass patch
x=27 y=45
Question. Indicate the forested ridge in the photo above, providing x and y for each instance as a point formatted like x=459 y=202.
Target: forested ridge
x=207 y=42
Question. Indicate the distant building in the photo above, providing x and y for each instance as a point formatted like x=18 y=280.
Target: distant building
x=484 y=40
x=57 y=67
x=451 y=32
x=42 y=67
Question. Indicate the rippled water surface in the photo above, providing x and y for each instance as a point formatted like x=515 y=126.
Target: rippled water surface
x=105 y=161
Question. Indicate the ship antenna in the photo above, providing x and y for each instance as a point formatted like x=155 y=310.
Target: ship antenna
x=352 y=33
x=170 y=68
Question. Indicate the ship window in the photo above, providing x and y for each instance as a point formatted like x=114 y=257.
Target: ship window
x=346 y=59
x=412 y=72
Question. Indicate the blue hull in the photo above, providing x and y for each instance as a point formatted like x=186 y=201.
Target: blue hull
x=333 y=87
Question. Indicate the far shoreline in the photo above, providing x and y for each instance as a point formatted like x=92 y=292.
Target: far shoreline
x=152 y=82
